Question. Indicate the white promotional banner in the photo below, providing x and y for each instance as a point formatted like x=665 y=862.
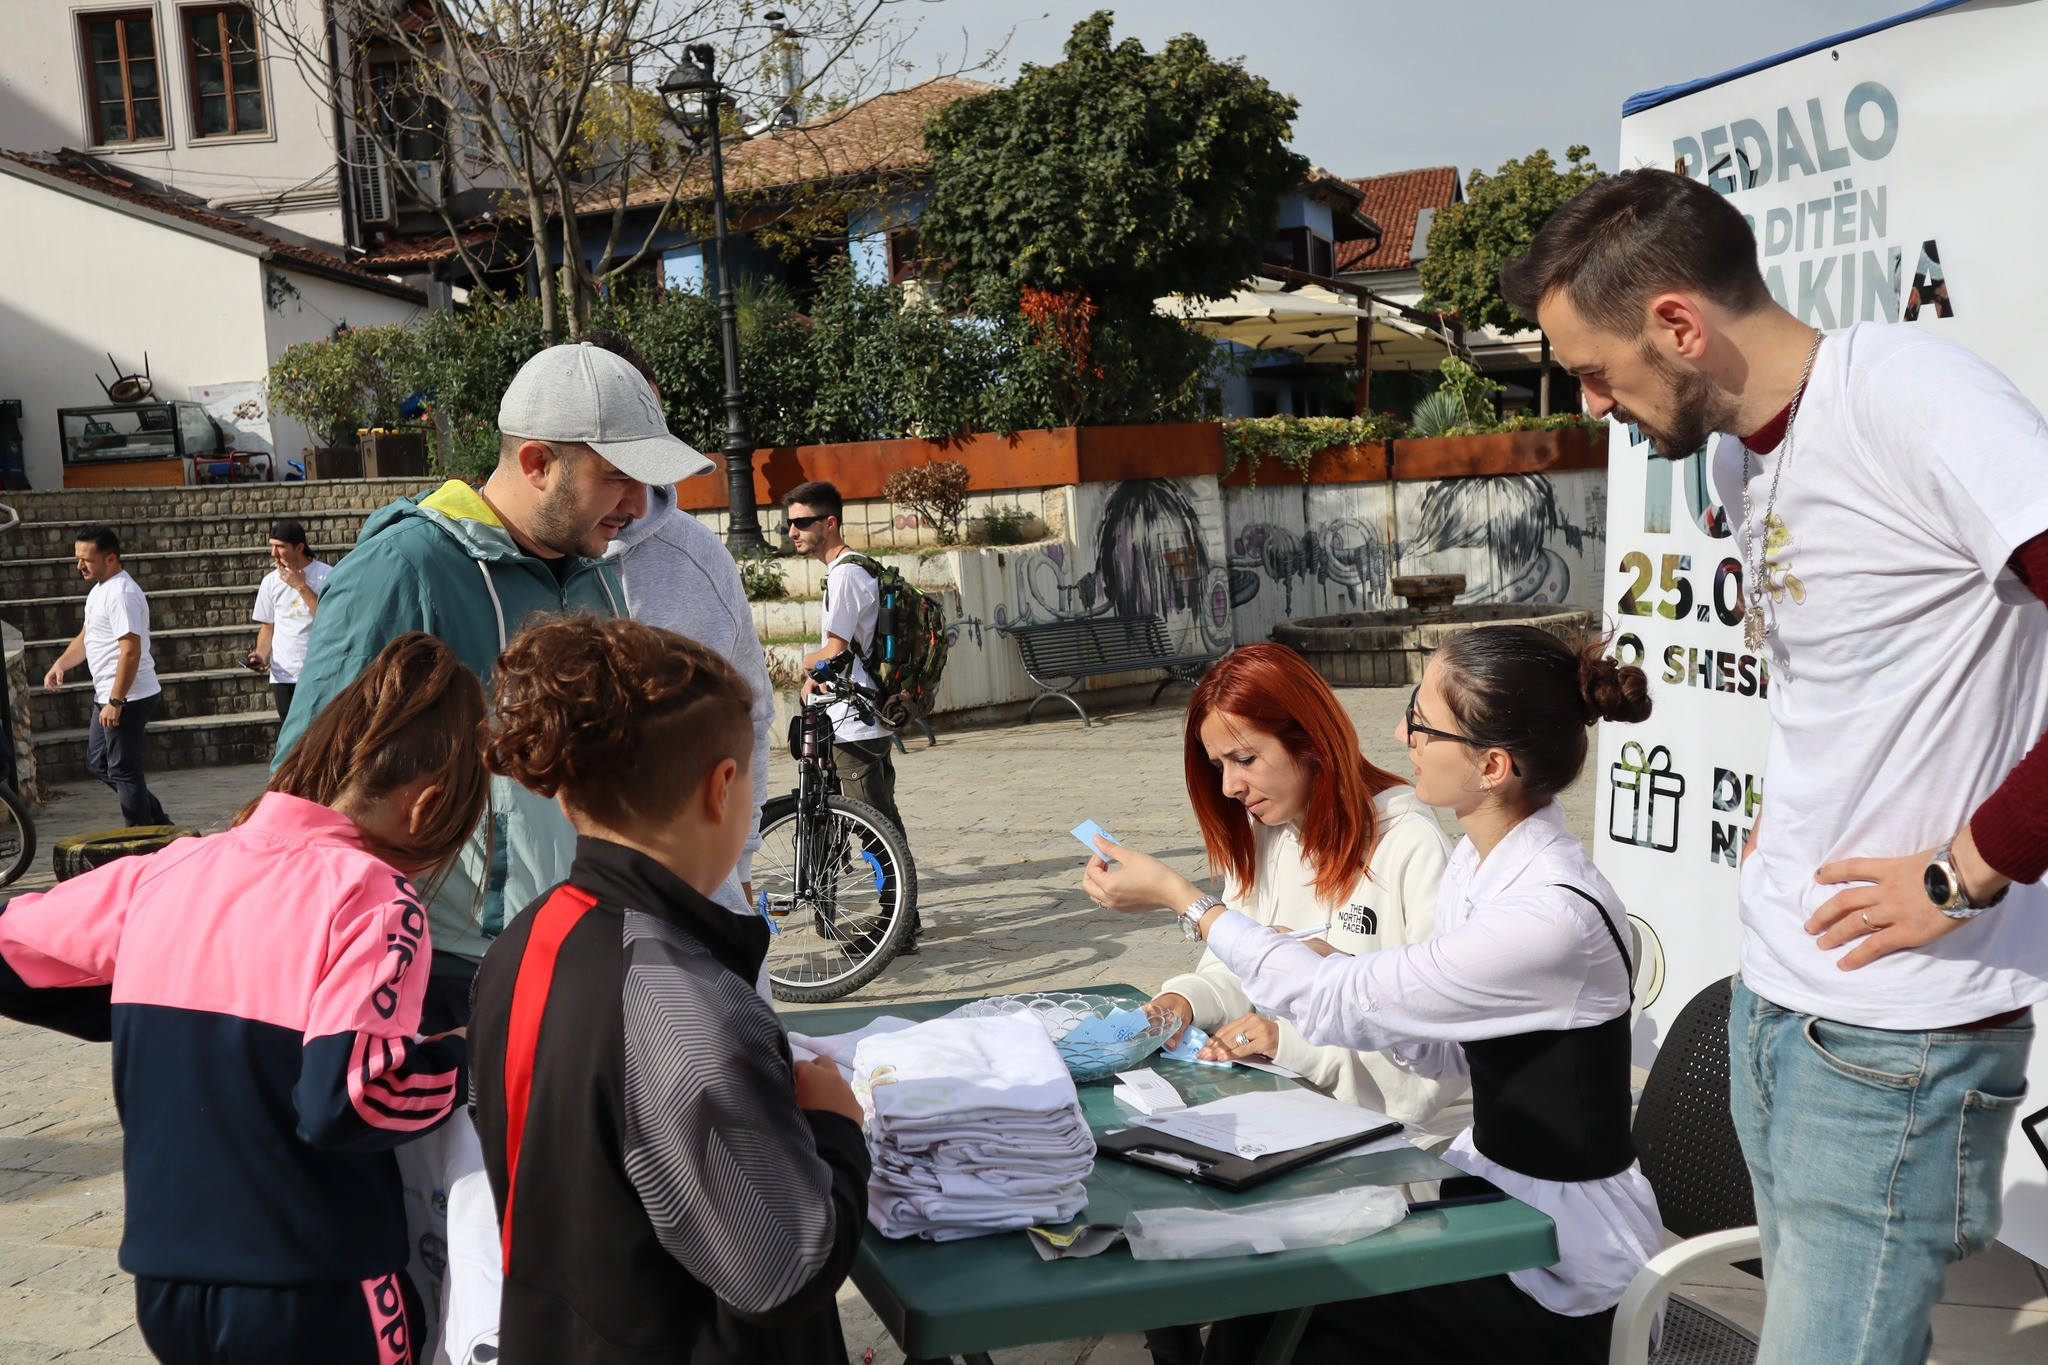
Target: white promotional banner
x=1888 y=177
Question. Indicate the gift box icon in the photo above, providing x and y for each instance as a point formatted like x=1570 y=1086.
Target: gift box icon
x=1644 y=810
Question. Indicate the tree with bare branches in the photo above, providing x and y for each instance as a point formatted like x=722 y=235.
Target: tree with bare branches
x=545 y=116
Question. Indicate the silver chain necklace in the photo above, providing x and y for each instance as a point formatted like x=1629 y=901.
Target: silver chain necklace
x=1753 y=626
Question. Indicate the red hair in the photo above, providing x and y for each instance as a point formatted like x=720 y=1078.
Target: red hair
x=1273 y=690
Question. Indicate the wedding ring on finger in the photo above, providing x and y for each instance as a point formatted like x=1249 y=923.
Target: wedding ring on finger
x=1866 y=920
x=1242 y=1039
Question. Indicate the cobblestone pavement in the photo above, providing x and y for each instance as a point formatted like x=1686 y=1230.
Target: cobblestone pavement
x=989 y=812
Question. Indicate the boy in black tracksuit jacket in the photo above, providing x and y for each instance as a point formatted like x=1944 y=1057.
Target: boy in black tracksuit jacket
x=673 y=1203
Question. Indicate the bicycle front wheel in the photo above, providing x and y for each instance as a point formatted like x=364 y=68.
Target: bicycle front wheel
x=841 y=893
x=17 y=836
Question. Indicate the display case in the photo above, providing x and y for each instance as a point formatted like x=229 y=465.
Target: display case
x=137 y=445
x=138 y=431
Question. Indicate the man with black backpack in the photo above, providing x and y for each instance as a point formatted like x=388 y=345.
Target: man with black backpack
x=863 y=750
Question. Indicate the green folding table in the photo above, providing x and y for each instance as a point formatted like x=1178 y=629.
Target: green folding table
x=967 y=1298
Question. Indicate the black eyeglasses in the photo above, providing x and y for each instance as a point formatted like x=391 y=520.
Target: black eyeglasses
x=800 y=523
x=1416 y=727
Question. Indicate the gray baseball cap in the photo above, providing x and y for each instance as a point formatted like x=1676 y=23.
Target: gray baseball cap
x=584 y=393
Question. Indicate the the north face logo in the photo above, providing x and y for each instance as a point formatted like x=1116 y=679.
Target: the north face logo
x=1359 y=919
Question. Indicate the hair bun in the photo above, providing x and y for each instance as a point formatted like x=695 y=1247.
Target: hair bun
x=1612 y=690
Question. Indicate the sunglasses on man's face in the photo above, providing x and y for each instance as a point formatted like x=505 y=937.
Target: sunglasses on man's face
x=800 y=523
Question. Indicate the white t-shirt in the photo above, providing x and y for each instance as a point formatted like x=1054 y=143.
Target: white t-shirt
x=113 y=609
x=853 y=602
x=1907 y=665
x=1392 y=903
x=291 y=621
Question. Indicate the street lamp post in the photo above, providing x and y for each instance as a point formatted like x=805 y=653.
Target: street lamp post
x=694 y=75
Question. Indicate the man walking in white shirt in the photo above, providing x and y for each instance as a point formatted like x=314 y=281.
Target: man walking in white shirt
x=861 y=749
x=285 y=602
x=114 y=646
x=1889 y=496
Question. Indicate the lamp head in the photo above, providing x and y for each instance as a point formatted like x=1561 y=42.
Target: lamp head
x=690 y=77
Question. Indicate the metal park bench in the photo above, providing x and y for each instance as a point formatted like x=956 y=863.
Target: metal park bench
x=1060 y=655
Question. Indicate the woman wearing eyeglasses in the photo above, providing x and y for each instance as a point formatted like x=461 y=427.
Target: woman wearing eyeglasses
x=1525 y=988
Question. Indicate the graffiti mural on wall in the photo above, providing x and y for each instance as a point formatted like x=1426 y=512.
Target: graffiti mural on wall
x=1515 y=520
x=1150 y=558
x=1346 y=555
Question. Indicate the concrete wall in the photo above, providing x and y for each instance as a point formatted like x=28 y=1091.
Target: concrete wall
x=14 y=657
x=43 y=107
x=1224 y=565
x=1315 y=549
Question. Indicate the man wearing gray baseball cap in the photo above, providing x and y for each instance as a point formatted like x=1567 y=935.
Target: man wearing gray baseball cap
x=580 y=439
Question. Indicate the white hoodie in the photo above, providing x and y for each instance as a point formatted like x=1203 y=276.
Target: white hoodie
x=677 y=576
x=1392 y=904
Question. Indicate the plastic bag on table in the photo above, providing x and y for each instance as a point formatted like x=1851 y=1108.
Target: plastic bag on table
x=1323 y=1220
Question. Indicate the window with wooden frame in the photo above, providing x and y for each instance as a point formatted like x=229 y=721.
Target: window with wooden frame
x=123 y=78
x=226 y=71
x=904 y=261
x=1297 y=248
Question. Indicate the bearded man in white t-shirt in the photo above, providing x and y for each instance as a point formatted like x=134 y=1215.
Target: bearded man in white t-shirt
x=114 y=647
x=1888 y=491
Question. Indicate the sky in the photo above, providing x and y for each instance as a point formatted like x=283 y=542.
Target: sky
x=1389 y=85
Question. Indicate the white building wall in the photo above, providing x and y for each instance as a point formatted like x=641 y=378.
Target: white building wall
x=43 y=107
x=103 y=280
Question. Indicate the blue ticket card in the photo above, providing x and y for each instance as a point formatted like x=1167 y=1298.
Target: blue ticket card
x=1088 y=832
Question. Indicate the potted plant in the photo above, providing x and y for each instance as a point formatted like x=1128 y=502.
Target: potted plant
x=350 y=385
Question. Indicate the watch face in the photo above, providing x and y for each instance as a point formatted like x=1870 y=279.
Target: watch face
x=1937 y=882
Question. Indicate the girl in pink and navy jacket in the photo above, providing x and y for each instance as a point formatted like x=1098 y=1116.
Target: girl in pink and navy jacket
x=262 y=991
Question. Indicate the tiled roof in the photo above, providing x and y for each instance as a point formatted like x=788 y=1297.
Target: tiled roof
x=876 y=136
x=403 y=254
x=111 y=182
x=1393 y=201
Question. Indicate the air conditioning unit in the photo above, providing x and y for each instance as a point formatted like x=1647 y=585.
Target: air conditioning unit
x=373 y=181
x=426 y=177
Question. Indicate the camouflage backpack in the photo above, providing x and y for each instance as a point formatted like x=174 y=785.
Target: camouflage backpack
x=908 y=654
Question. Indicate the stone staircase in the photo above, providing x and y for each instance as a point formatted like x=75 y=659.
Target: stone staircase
x=198 y=553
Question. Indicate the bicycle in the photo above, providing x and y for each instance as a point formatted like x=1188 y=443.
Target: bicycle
x=833 y=876
x=17 y=830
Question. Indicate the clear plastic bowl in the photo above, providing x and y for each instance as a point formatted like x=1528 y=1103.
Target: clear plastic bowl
x=1063 y=1012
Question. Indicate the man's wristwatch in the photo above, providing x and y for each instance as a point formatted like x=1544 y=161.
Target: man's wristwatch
x=117 y=702
x=1191 y=918
x=1945 y=887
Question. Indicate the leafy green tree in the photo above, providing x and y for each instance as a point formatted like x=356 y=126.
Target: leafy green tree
x=1502 y=212
x=1117 y=174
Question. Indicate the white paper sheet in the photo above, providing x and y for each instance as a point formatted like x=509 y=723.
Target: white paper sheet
x=1260 y=1124
x=1148 y=1092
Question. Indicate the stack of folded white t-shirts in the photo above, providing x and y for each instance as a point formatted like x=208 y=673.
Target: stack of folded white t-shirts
x=974 y=1128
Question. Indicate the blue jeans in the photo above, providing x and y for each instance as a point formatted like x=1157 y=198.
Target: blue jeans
x=1877 y=1159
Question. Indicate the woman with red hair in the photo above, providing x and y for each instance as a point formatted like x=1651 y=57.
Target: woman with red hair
x=1308 y=834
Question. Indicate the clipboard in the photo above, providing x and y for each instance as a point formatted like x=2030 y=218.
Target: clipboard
x=1191 y=1161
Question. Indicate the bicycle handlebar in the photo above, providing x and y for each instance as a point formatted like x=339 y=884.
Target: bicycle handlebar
x=834 y=679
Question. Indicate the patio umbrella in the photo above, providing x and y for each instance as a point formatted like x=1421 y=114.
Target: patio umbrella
x=1319 y=325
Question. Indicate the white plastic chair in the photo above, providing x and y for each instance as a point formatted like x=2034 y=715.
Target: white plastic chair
x=1686 y=1142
